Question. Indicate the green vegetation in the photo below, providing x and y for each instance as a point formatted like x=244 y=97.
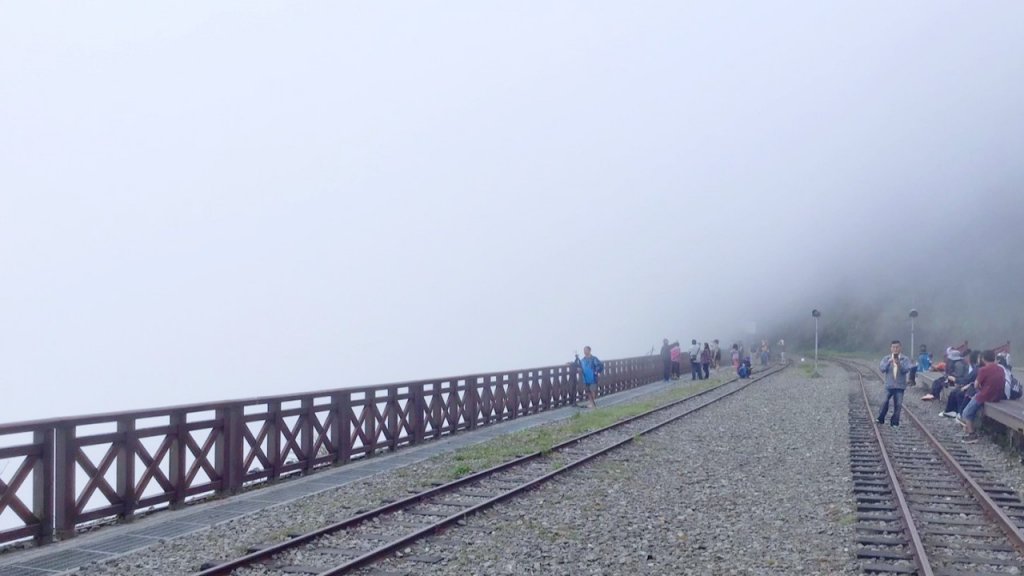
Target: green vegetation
x=808 y=370
x=488 y=454
x=460 y=470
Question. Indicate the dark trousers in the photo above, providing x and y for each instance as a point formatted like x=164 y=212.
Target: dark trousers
x=668 y=368
x=675 y=369
x=937 y=386
x=695 y=371
x=897 y=406
x=707 y=369
x=958 y=400
x=953 y=401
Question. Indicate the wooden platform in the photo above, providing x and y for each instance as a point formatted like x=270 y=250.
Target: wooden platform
x=1007 y=413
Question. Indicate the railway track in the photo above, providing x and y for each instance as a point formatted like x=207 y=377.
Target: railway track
x=925 y=505
x=361 y=540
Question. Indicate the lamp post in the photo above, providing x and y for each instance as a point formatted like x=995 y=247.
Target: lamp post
x=817 y=314
x=913 y=314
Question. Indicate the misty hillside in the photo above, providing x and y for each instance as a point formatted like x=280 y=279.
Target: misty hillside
x=965 y=282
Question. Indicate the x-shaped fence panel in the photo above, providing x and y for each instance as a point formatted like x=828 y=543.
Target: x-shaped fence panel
x=65 y=472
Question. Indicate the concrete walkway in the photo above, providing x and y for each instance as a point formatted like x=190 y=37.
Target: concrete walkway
x=113 y=541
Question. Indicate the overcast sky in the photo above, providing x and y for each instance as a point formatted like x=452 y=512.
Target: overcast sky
x=211 y=200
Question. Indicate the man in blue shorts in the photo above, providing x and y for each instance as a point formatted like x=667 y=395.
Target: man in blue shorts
x=591 y=368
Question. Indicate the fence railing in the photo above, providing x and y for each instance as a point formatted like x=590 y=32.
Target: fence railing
x=71 y=471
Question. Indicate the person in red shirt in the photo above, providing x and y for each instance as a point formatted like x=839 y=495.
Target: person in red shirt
x=990 y=389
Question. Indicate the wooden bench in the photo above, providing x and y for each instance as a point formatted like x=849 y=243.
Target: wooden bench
x=1007 y=413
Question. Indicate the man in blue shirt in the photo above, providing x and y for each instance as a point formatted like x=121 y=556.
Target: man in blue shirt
x=896 y=367
x=924 y=361
x=591 y=368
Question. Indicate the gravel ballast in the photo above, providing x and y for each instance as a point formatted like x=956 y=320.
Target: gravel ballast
x=756 y=484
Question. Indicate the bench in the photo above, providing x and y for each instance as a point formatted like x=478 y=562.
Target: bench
x=1009 y=414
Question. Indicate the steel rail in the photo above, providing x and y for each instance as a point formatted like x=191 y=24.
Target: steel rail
x=410 y=538
x=270 y=551
x=916 y=544
x=992 y=510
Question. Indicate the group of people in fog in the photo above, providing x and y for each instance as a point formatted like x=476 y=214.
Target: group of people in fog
x=972 y=378
x=700 y=358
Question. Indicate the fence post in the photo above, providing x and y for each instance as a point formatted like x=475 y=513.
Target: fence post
x=471 y=402
x=513 y=395
x=176 y=460
x=64 y=481
x=391 y=408
x=369 y=415
x=308 y=414
x=126 y=467
x=228 y=448
x=274 y=423
x=42 y=485
x=342 y=404
x=419 y=422
x=546 y=389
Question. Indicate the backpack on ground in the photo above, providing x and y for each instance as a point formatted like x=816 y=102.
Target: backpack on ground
x=1012 y=389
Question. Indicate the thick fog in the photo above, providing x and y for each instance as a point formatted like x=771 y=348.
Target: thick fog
x=202 y=201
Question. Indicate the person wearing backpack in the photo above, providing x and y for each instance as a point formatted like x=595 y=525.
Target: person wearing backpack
x=990 y=389
x=591 y=368
x=1012 y=388
x=1003 y=359
x=695 y=371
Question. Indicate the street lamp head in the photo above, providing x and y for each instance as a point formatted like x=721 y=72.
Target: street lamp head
x=816 y=313
x=913 y=313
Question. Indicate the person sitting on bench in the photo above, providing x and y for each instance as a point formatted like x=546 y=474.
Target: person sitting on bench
x=956 y=373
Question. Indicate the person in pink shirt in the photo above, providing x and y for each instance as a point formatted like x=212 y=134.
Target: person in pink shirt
x=675 y=355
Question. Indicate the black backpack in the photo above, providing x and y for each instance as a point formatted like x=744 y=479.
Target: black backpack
x=1012 y=389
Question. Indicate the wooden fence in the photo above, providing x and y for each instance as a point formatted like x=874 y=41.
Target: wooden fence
x=71 y=471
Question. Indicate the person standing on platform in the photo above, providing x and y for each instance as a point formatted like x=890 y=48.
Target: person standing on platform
x=695 y=371
x=895 y=367
x=676 y=355
x=591 y=368
x=782 y=350
x=666 y=357
x=716 y=354
x=705 y=360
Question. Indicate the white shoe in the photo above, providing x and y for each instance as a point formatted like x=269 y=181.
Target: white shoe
x=950 y=414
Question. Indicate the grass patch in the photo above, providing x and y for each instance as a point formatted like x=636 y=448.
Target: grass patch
x=809 y=371
x=461 y=470
x=541 y=439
